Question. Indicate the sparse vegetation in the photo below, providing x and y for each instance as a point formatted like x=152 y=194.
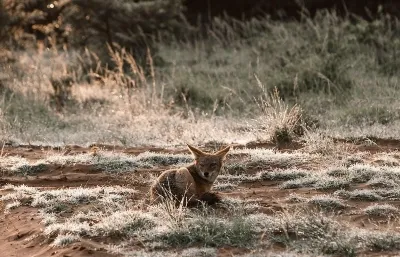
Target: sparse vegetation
x=309 y=106
x=363 y=195
x=323 y=71
x=211 y=231
x=328 y=203
x=381 y=210
x=283 y=175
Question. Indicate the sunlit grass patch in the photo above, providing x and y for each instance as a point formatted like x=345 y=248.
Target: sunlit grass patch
x=307 y=181
x=287 y=253
x=187 y=252
x=296 y=198
x=19 y=165
x=382 y=241
x=261 y=158
x=387 y=159
x=289 y=174
x=31 y=169
x=52 y=200
x=361 y=173
x=157 y=159
x=325 y=182
x=12 y=205
x=381 y=210
x=383 y=182
x=392 y=194
x=67 y=227
x=241 y=206
x=224 y=186
x=12 y=162
x=239 y=178
x=307 y=231
x=235 y=168
x=212 y=232
x=200 y=252
x=117 y=223
x=318 y=233
x=337 y=171
x=123 y=224
x=318 y=143
x=359 y=194
x=106 y=212
x=102 y=161
x=265 y=175
x=328 y=202
x=64 y=240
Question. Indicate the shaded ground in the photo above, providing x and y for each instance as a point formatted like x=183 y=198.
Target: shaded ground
x=21 y=229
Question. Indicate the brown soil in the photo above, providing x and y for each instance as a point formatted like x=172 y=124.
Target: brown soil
x=24 y=223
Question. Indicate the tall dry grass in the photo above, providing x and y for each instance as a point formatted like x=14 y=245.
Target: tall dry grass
x=337 y=71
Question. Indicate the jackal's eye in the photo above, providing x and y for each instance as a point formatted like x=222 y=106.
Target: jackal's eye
x=213 y=165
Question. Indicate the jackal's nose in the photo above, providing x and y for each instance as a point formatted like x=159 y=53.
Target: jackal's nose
x=206 y=174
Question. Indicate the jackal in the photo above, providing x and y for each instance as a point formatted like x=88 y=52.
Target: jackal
x=193 y=183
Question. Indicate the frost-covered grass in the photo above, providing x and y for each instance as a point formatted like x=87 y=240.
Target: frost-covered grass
x=12 y=205
x=19 y=165
x=108 y=212
x=370 y=194
x=118 y=224
x=224 y=186
x=212 y=232
x=327 y=202
x=102 y=160
x=308 y=181
x=188 y=252
x=289 y=174
x=381 y=210
x=124 y=223
x=72 y=214
x=159 y=227
x=110 y=161
x=63 y=240
x=342 y=177
x=316 y=232
x=262 y=158
x=62 y=200
x=361 y=195
x=265 y=175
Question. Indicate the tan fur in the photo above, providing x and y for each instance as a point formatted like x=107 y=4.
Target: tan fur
x=192 y=182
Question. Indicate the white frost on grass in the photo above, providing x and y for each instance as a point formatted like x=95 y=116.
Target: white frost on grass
x=79 y=195
x=63 y=240
x=103 y=160
x=269 y=156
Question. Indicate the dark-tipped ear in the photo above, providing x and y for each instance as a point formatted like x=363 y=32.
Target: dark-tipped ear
x=222 y=153
x=196 y=152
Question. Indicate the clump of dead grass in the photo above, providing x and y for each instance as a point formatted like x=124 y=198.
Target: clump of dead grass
x=281 y=122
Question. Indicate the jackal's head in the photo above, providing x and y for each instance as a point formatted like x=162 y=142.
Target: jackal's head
x=208 y=165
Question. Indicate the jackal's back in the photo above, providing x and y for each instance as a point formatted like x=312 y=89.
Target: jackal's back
x=175 y=183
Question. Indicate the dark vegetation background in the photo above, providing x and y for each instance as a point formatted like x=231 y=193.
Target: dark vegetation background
x=338 y=60
x=135 y=24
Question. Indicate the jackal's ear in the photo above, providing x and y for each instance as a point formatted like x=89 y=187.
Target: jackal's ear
x=222 y=153
x=196 y=152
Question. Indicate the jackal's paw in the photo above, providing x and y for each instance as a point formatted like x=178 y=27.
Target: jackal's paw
x=210 y=198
